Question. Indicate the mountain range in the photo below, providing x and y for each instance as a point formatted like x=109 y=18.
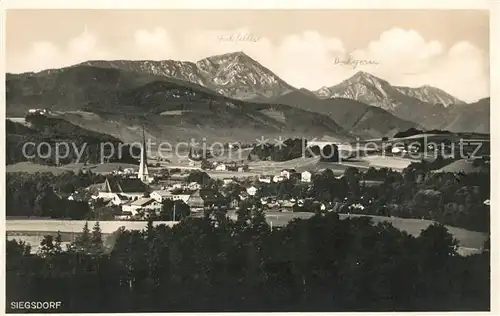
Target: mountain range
x=234 y=96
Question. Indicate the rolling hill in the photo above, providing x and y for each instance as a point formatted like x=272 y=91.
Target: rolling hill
x=55 y=141
x=170 y=108
x=359 y=118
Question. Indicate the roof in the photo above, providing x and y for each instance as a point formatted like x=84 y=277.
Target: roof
x=163 y=193
x=121 y=197
x=124 y=185
x=142 y=202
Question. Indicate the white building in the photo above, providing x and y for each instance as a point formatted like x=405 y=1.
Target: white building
x=286 y=173
x=279 y=178
x=194 y=186
x=252 y=190
x=144 y=204
x=221 y=167
x=162 y=195
x=226 y=181
x=265 y=179
x=305 y=176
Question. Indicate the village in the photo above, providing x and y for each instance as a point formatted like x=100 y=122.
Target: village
x=136 y=195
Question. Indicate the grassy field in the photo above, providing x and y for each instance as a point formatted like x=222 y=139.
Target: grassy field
x=33 y=168
x=466 y=238
x=32 y=231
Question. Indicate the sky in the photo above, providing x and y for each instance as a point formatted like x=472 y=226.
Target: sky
x=448 y=49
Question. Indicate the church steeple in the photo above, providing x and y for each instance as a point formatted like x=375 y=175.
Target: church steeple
x=143 y=166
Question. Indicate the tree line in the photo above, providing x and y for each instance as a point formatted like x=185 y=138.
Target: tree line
x=323 y=264
x=50 y=132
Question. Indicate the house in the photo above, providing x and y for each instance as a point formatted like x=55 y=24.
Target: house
x=161 y=195
x=243 y=168
x=142 y=204
x=265 y=179
x=221 y=167
x=194 y=186
x=287 y=206
x=286 y=173
x=119 y=199
x=39 y=111
x=305 y=176
x=125 y=215
x=398 y=149
x=130 y=188
x=233 y=204
x=279 y=178
x=252 y=190
x=226 y=181
x=205 y=198
x=195 y=201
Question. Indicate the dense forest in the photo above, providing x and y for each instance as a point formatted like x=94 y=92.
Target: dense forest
x=43 y=194
x=289 y=149
x=292 y=149
x=57 y=142
x=214 y=264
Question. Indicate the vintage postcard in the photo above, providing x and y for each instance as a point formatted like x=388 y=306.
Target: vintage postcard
x=247 y=160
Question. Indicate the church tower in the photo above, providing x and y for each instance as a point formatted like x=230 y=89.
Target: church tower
x=143 y=166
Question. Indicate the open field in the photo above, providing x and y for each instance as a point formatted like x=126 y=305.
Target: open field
x=255 y=167
x=29 y=167
x=32 y=231
x=72 y=226
x=100 y=168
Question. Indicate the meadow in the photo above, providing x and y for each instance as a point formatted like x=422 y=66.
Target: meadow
x=32 y=231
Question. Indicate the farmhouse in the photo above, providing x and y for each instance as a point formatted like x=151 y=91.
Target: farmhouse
x=286 y=173
x=194 y=186
x=252 y=190
x=279 y=178
x=265 y=179
x=161 y=195
x=234 y=204
x=129 y=188
x=144 y=204
x=305 y=176
x=221 y=167
x=204 y=198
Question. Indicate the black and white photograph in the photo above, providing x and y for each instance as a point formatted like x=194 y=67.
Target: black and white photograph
x=247 y=160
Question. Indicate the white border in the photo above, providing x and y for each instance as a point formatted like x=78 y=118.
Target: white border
x=493 y=6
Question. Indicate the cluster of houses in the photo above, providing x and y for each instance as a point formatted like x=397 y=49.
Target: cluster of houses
x=227 y=166
x=135 y=198
x=38 y=111
x=287 y=174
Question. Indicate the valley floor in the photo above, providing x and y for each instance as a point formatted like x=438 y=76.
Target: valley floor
x=32 y=231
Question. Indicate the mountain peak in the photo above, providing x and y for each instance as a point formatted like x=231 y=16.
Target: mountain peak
x=360 y=75
x=237 y=56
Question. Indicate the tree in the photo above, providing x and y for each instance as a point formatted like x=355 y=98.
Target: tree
x=49 y=246
x=96 y=242
x=83 y=242
x=436 y=242
x=182 y=210
x=199 y=177
x=15 y=248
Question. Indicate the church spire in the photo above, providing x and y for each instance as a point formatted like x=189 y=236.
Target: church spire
x=143 y=166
